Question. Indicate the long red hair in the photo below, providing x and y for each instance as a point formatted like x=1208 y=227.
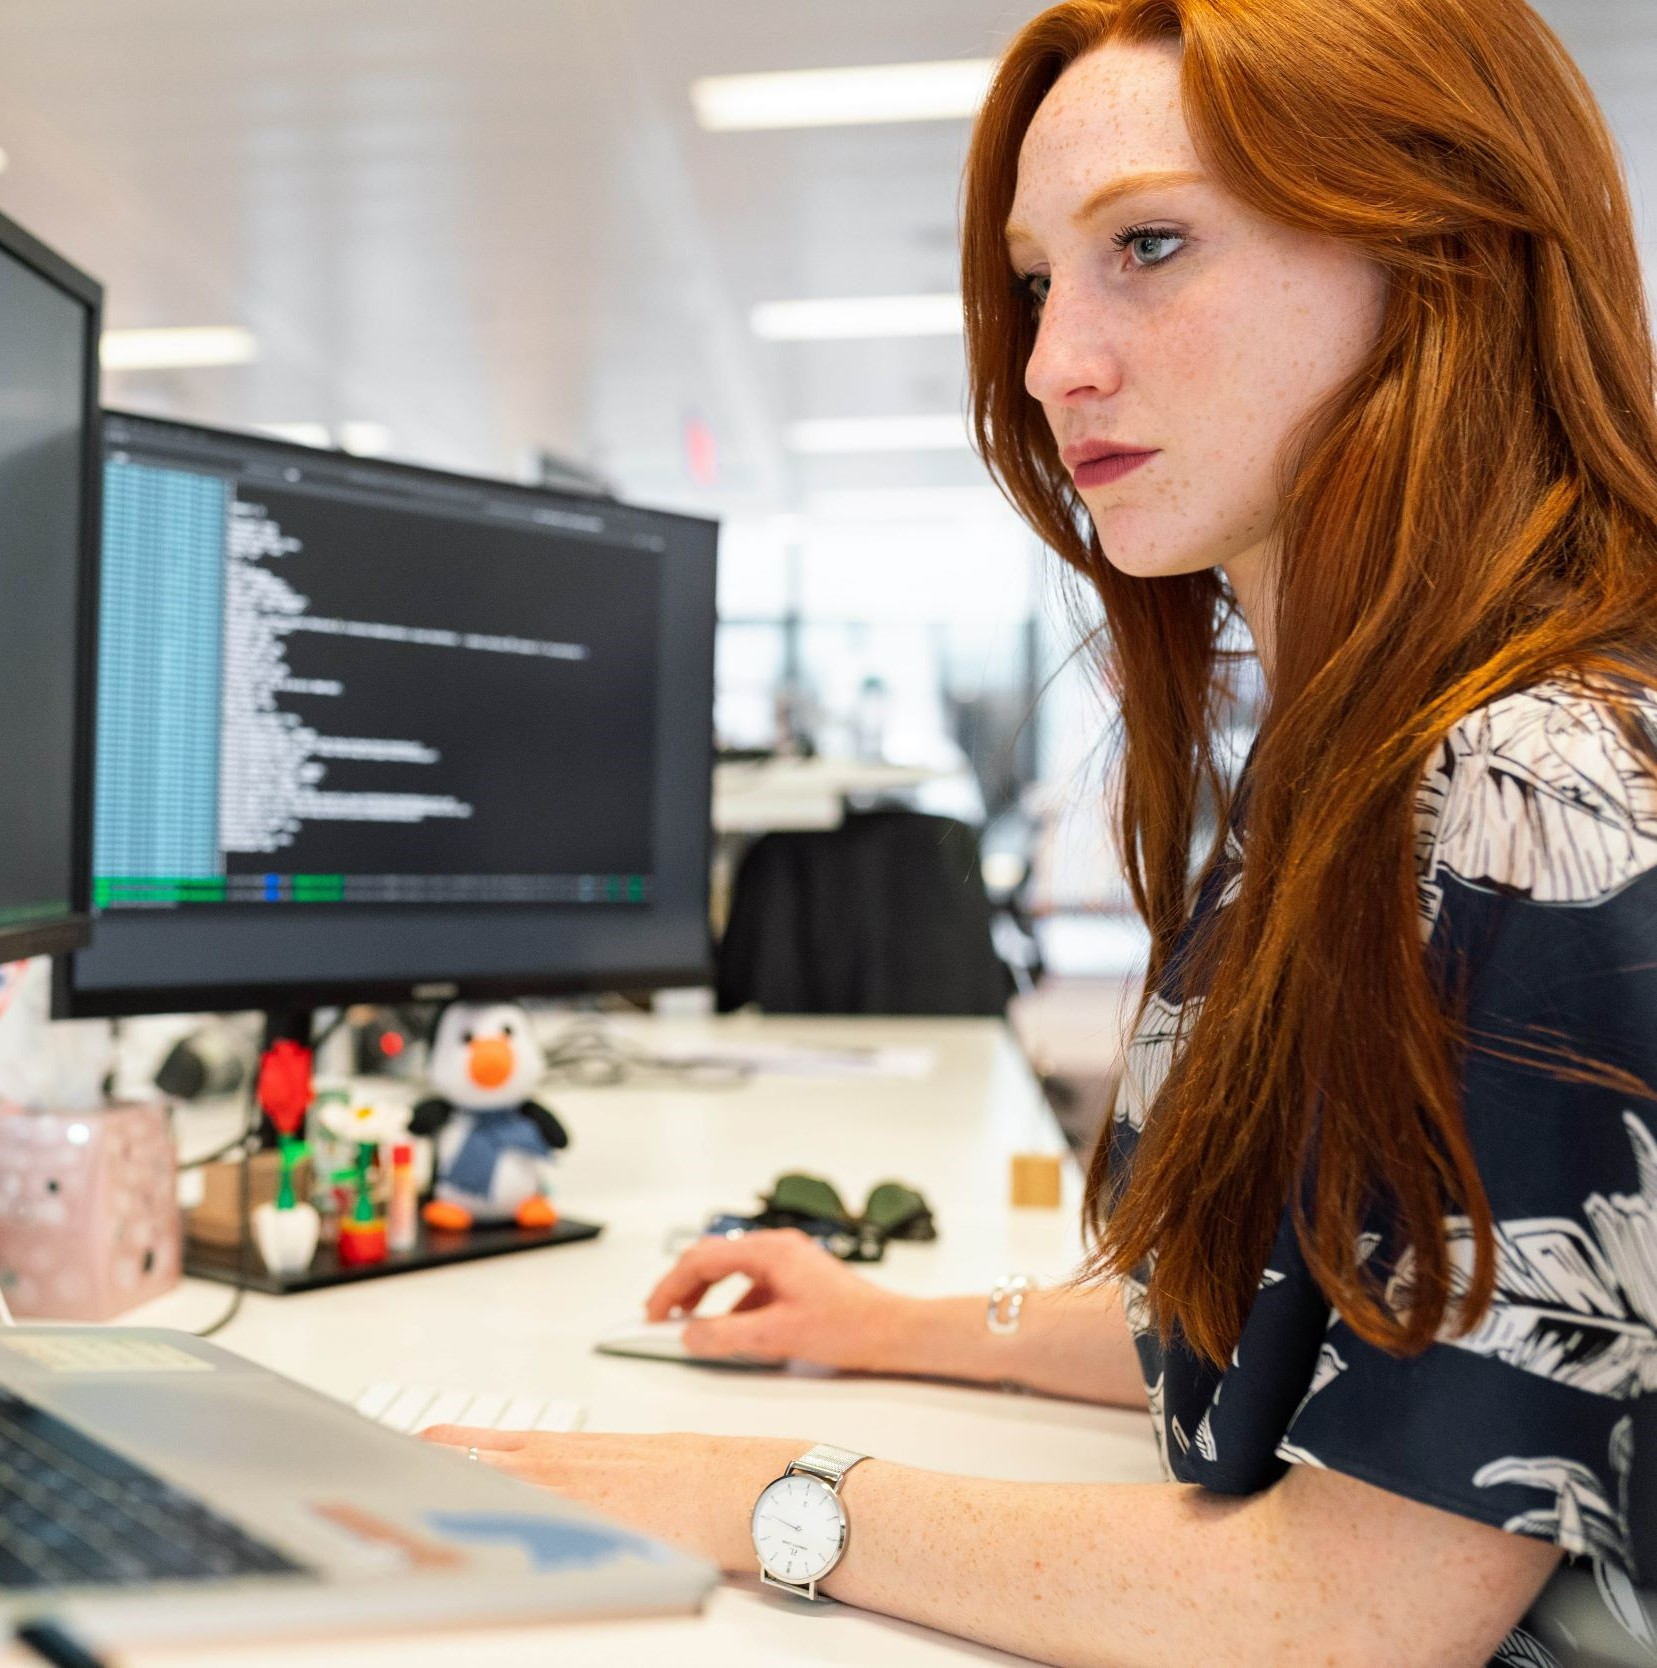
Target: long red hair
x=1473 y=512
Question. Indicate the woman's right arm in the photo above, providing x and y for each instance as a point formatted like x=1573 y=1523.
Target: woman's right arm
x=804 y=1304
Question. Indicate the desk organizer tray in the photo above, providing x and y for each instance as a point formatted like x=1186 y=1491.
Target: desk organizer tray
x=431 y=1250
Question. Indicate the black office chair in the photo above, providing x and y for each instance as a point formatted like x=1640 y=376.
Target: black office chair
x=886 y=914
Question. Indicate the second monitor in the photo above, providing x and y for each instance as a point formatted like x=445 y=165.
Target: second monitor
x=369 y=731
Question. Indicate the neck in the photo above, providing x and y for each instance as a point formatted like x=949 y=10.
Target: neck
x=1253 y=584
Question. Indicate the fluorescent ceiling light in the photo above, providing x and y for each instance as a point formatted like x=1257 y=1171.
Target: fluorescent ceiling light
x=858 y=316
x=301 y=434
x=158 y=350
x=940 y=433
x=842 y=97
x=365 y=439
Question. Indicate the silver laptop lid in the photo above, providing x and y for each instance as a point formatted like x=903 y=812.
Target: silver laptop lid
x=382 y=1529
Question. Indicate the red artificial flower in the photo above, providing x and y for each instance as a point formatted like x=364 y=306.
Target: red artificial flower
x=285 y=1084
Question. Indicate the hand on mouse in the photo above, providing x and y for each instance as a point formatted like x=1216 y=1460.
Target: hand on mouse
x=801 y=1304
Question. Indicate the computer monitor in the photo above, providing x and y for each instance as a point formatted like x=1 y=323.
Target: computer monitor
x=374 y=732
x=49 y=473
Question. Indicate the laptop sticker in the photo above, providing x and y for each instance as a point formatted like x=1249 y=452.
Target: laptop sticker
x=550 y=1544
x=370 y=1528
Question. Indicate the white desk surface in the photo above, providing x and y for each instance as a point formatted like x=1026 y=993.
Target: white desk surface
x=645 y=1161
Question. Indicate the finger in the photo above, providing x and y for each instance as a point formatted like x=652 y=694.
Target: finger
x=669 y=1304
x=705 y=1264
x=757 y=1296
x=684 y=1285
x=473 y=1436
x=734 y=1334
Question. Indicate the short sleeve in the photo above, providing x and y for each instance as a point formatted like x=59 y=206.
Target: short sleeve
x=1539 y=897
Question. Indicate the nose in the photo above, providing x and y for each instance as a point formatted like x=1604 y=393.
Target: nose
x=1073 y=359
x=490 y=1062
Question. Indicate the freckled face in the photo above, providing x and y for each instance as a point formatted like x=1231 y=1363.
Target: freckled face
x=1174 y=318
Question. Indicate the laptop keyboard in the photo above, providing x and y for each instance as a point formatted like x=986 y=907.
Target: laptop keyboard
x=72 y=1512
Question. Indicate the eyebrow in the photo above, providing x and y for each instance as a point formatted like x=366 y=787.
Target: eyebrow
x=1125 y=185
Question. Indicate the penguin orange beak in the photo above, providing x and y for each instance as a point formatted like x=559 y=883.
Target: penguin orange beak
x=489 y=1062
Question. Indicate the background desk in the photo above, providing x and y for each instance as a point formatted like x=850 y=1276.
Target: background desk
x=645 y=1161
x=753 y=798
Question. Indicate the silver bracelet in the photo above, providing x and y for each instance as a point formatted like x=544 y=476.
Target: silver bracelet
x=1008 y=1290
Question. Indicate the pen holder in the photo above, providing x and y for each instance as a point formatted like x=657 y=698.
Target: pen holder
x=89 y=1222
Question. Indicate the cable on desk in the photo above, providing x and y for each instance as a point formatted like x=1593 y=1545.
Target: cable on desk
x=244 y=1210
x=591 y=1055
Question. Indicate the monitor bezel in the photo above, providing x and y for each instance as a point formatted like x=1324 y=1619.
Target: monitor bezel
x=72 y=930
x=72 y=1001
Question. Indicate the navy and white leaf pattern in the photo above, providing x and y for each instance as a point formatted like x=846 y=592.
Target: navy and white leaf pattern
x=1582 y=1517
x=1537 y=866
x=1575 y=1303
x=1539 y=794
x=1150 y=1056
x=1520 y=1650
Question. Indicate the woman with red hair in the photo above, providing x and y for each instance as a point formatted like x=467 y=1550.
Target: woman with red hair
x=1326 y=321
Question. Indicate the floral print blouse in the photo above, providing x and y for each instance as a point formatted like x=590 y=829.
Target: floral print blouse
x=1537 y=864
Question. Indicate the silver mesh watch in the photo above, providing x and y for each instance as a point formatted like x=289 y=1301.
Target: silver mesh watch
x=799 y=1522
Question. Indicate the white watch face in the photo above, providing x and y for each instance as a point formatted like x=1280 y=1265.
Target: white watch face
x=799 y=1528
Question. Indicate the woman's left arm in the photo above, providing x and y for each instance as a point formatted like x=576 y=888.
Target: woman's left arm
x=1319 y=1569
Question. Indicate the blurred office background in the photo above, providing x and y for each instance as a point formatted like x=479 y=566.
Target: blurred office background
x=529 y=236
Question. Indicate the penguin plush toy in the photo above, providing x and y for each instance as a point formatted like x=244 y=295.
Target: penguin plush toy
x=493 y=1144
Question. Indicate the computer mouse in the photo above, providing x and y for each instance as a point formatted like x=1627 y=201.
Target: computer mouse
x=665 y=1341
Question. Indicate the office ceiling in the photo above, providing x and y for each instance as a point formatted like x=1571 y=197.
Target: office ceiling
x=492 y=225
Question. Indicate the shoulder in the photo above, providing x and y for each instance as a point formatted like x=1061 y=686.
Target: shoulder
x=1540 y=794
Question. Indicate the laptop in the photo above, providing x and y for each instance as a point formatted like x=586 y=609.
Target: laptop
x=155 y=1488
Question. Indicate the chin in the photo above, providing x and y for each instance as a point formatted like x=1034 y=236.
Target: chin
x=1151 y=565
x=1139 y=553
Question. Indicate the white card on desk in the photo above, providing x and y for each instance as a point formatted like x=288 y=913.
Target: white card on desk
x=417 y=1407
x=665 y=1341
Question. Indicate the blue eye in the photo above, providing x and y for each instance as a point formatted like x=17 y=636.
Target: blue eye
x=1135 y=237
x=1151 y=246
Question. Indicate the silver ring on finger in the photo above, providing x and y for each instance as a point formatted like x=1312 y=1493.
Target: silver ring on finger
x=472 y=1455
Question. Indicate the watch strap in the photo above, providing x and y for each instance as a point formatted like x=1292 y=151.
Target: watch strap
x=827 y=1462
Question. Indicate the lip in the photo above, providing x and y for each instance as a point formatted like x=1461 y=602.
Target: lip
x=1096 y=462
